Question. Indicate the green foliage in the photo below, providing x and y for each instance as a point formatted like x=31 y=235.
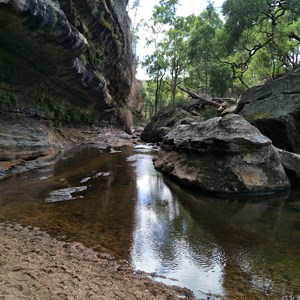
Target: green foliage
x=257 y=40
x=169 y=61
x=212 y=76
x=165 y=12
x=262 y=38
x=240 y=15
x=220 y=79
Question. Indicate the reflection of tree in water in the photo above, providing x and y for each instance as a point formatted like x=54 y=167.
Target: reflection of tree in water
x=166 y=239
x=245 y=244
x=259 y=240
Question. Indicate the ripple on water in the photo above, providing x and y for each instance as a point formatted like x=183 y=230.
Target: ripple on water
x=86 y=179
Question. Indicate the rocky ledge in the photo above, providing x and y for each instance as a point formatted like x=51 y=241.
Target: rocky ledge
x=166 y=120
x=224 y=155
x=274 y=108
x=27 y=143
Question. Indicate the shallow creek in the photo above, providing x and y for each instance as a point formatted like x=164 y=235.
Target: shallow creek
x=115 y=202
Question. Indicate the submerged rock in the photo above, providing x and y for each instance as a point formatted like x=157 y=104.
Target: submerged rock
x=274 y=108
x=222 y=155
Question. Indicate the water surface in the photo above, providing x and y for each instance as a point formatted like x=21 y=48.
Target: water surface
x=117 y=203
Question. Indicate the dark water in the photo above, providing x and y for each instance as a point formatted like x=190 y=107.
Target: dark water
x=117 y=203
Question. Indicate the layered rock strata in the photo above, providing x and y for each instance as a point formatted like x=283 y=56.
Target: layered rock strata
x=72 y=52
x=62 y=64
x=222 y=155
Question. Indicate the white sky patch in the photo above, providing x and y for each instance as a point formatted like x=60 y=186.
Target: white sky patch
x=144 y=12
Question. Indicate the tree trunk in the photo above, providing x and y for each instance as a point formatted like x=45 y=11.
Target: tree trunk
x=201 y=98
x=156 y=100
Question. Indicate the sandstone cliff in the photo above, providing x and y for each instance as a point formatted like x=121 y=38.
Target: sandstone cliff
x=61 y=63
x=72 y=53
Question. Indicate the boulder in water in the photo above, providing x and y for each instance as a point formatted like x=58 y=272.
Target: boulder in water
x=224 y=155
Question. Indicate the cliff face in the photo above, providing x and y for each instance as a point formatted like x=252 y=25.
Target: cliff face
x=61 y=62
x=64 y=57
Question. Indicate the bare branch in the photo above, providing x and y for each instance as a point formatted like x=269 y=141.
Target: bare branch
x=294 y=36
x=201 y=98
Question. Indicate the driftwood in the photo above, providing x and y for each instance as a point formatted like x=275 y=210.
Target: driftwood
x=203 y=99
x=224 y=104
x=228 y=100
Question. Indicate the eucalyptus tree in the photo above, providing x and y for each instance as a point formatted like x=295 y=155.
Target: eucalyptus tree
x=156 y=66
x=262 y=38
x=155 y=63
x=206 y=73
x=168 y=33
x=176 y=46
x=165 y=13
x=135 y=26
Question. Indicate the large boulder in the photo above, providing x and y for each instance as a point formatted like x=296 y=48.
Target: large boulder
x=291 y=163
x=224 y=155
x=164 y=121
x=274 y=108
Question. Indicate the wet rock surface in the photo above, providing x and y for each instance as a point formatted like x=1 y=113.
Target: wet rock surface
x=26 y=143
x=222 y=155
x=36 y=266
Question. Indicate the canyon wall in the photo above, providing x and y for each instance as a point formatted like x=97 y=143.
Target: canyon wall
x=64 y=65
x=69 y=58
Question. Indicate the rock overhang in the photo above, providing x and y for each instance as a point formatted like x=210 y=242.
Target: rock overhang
x=40 y=47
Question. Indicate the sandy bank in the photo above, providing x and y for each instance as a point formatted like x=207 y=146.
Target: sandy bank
x=35 y=266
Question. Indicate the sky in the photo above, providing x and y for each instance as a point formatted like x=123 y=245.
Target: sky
x=187 y=7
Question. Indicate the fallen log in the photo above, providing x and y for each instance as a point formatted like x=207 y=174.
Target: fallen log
x=203 y=99
x=228 y=100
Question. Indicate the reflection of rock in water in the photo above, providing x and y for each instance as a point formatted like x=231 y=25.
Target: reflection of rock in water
x=215 y=245
x=260 y=252
x=102 y=220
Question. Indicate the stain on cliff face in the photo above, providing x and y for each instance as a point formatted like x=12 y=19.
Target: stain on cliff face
x=75 y=53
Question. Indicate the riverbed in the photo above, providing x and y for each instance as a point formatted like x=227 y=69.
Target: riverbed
x=115 y=202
